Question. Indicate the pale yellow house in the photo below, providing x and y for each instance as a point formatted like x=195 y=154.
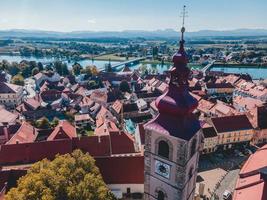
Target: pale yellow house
x=10 y=94
x=233 y=130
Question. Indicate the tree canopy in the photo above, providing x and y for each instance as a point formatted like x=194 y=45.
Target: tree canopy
x=124 y=86
x=18 y=80
x=76 y=69
x=70 y=177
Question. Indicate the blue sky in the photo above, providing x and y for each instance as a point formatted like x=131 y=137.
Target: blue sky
x=117 y=15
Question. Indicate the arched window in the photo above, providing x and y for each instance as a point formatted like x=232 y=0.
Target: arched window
x=161 y=195
x=193 y=147
x=163 y=149
x=190 y=173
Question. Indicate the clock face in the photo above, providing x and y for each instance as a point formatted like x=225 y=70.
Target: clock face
x=162 y=169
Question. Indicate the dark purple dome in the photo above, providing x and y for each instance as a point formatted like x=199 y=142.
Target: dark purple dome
x=176 y=101
x=179 y=58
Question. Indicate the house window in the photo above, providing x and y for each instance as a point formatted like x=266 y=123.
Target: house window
x=163 y=149
x=128 y=190
x=161 y=195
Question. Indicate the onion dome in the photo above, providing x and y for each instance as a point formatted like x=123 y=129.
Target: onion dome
x=177 y=100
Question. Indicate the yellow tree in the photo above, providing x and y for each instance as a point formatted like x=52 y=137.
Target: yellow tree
x=70 y=177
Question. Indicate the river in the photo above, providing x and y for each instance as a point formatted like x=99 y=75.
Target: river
x=255 y=72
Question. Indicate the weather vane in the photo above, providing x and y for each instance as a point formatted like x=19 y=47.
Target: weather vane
x=184 y=15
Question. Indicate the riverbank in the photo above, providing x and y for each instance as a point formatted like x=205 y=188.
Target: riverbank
x=237 y=65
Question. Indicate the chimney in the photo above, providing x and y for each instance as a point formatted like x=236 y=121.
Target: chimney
x=60 y=128
x=6 y=133
x=263 y=173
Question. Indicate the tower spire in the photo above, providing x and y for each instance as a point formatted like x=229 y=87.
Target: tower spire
x=183 y=28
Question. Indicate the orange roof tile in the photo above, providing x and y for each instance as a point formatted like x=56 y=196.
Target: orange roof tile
x=63 y=130
x=25 y=134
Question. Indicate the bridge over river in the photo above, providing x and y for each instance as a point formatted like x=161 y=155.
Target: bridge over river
x=128 y=62
x=207 y=67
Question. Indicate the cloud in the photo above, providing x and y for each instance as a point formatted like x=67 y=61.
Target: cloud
x=3 y=21
x=91 y=21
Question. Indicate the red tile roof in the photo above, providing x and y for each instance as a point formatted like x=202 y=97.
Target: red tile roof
x=33 y=103
x=7 y=88
x=6 y=116
x=122 y=170
x=83 y=117
x=250 y=184
x=122 y=142
x=117 y=106
x=25 y=134
x=62 y=131
x=105 y=127
x=231 y=123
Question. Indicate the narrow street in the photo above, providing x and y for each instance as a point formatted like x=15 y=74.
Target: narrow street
x=228 y=183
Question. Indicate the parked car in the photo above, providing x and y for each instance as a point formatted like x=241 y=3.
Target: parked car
x=227 y=195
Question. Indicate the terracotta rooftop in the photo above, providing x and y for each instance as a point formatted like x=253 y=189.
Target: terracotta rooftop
x=63 y=130
x=105 y=127
x=33 y=103
x=25 y=134
x=117 y=106
x=251 y=185
x=8 y=88
x=86 y=101
x=83 y=117
x=6 y=116
x=247 y=102
x=122 y=170
x=222 y=109
x=205 y=106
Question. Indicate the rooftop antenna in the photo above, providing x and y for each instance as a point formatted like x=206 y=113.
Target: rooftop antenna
x=184 y=15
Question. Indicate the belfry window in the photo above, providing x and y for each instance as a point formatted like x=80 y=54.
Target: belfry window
x=161 y=195
x=163 y=149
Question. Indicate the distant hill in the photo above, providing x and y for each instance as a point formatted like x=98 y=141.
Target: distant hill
x=167 y=33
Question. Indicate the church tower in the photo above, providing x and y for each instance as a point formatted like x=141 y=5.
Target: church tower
x=173 y=138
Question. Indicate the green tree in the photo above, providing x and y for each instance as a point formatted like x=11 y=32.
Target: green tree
x=61 y=68
x=35 y=71
x=92 y=84
x=40 y=66
x=55 y=122
x=13 y=68
x=124 y=86
x=87 y=71
x=94 y=70
x=76 y=69
x=70 y=177
x=18 y=80
x=69 y=116
x=43 y=123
